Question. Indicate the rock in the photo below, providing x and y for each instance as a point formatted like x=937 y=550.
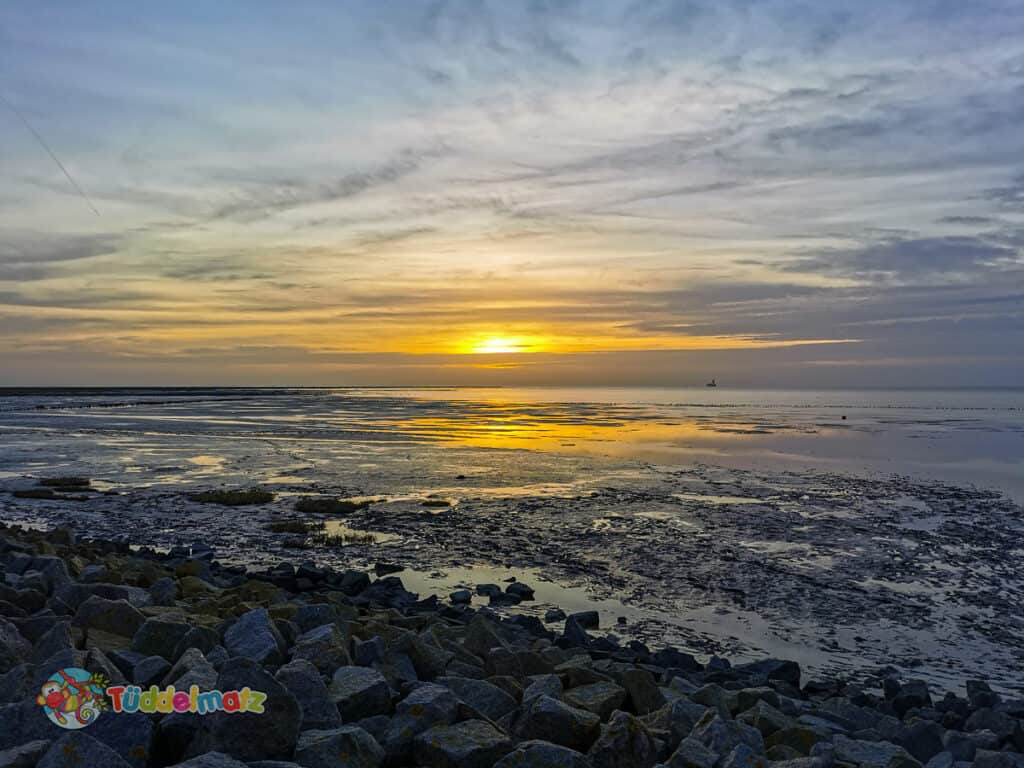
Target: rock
x=24 y=721
x=461 y=597
x=766 y=718
x=469 y=744
x=872 y=754
x=368 y=652
x=941 y=760
x=980 y=695
x=761 y=672
x=17 y=684
x=487 y=699
x=601 y=698
x=800 y=737
x=692 y=754
x=150 y=671
x=574 y=635
x=56 y=639
x=202 y=638
x=959 y=745
x=191 y=669
x=548 y=719
x=488 y=590
x=220 y=760
x=116 y=618
x=742 y=756
x=429 y=706
x=360 y=692
x=683 y=716
x=913 y=693
x=554 y=614
x=722 y=736
x=255 y=637
x=24 y=755
x=344 y=747
x=481 y=636
x=164 y=591
x=542 y=754
x=14 y=648
x=520 y=590
x=248 y=735
x=587 y=619
x=990 y=720
x=715 y=696
x=304 y=682
x=624 y=743
x=159 y=637
x=642 y=693
x=324 y=647
x=543 y=685
x=54 y=571
x=77 y=749
x=922 y=739
x=354 y=583
x=129 y=735
x=991 y=759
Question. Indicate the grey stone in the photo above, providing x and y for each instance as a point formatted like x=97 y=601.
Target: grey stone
x=469 y=744
x=116 y=617
x=428 y=706
x=218 y=760
x=913 y=693
x=601 y=698
x=76 y=749
x=24 y=755
x=56 y=639
x=159 y=637
x=692 y=754
x=766 y=718
x=324 y=647
x=250 y=735
x=542 y=754
x=872 y=754
x=360 y=692
x=255 y=637
x=543 y=685
x=722 y=736
x=150 y=671
x=164 y=591
x=742 y=756
x=486 y=698
x=14 y=648
x=129 y=735
x=549 y=719
x=642 y=692
x=624 y=743
x=344 y=747
x=922 y=739
x=304 y=682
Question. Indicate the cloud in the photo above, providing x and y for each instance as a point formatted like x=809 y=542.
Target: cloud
x=28 y=256
x=911 y=259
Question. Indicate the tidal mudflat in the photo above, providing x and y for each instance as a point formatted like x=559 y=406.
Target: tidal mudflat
x=753 y=524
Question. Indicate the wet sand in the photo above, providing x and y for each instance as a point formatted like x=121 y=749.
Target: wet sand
x=836 y=569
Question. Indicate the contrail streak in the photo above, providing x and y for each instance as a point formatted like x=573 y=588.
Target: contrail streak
x=44 y=145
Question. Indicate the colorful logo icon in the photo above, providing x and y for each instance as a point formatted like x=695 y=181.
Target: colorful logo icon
x=73 y=698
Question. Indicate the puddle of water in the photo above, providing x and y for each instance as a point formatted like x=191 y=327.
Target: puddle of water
x=713 y=499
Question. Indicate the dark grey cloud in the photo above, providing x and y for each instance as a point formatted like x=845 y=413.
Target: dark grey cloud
x=35 y=256
x=910 y=259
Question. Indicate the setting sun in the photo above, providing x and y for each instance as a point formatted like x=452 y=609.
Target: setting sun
x=499 y=345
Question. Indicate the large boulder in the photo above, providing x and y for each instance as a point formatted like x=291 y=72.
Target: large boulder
x=255 y=637
x=428 y=706
x=14 y=648
x=249 y=735
x=360 y=692
x=549 y=719
x=692 y=754
x=602 y=698
x=642 y=691
x=25 y=755
x=722 y=736
x=304 y=682
x=214 y=760
x=159 y=636
x=77 y=749
x=469 y=744
x=324 y=647
x=624 y=743
x=542 y=754
x=129 y=735
x=872 y=754
x=344 y=747
x=108 y=624
x=484 y=697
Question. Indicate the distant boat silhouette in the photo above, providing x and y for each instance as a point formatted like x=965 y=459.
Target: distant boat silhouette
x=711 y=384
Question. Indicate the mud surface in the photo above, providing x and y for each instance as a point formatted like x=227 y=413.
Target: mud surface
x=839 y=570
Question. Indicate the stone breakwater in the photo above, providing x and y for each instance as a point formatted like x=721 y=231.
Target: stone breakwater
x=360 y=672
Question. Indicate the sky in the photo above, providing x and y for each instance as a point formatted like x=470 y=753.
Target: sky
x=769 y=192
